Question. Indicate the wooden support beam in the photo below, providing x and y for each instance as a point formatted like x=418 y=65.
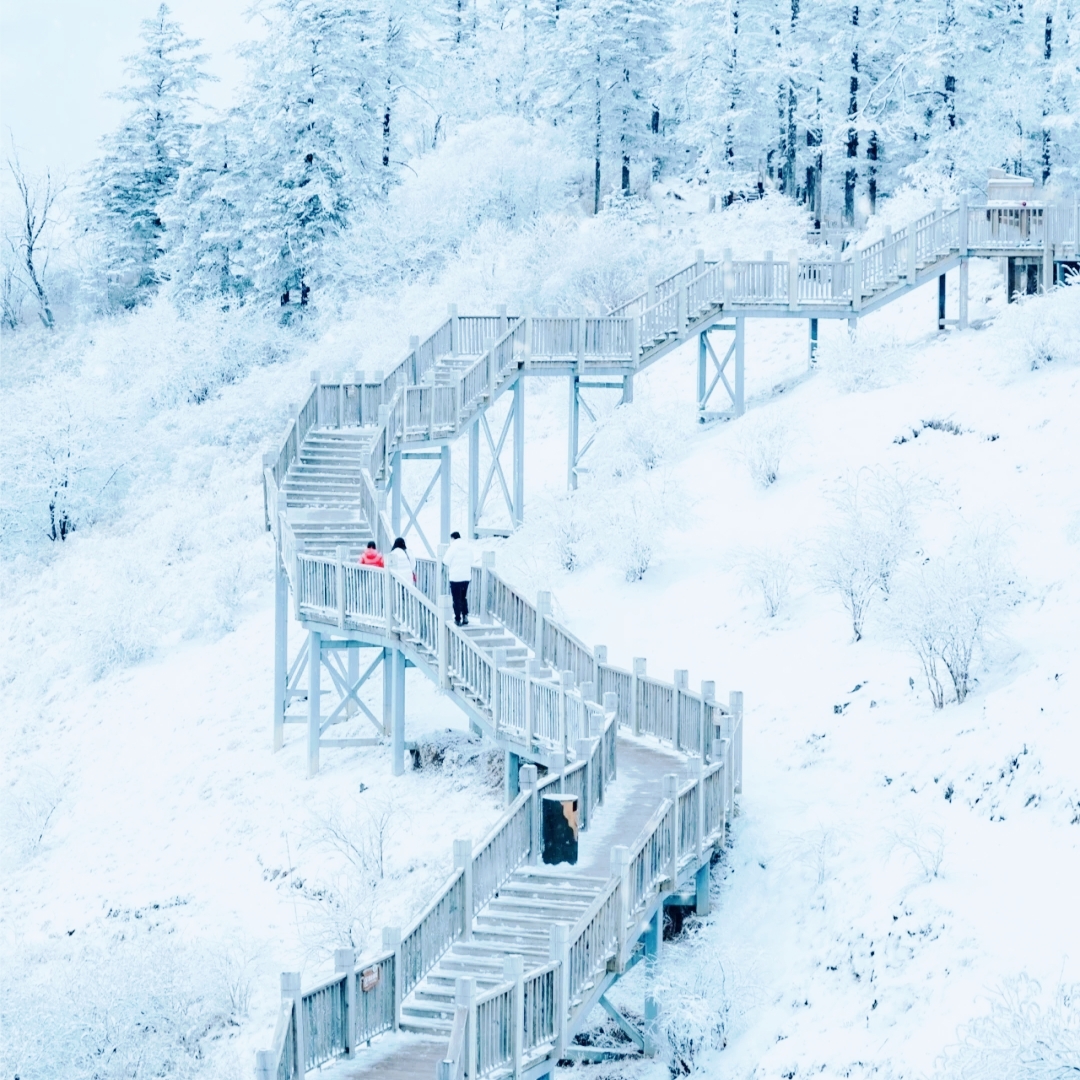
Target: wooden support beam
x=314 y=700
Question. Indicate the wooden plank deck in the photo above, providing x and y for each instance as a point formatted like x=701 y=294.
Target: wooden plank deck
x=391 y=1057
x=628 y=803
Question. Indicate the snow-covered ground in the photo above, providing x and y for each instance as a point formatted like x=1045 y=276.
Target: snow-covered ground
x=893 y=864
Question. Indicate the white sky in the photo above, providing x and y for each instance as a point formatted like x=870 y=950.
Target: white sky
x=59 y=58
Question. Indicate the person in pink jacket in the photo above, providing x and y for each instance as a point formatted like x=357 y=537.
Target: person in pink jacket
x=371 y=556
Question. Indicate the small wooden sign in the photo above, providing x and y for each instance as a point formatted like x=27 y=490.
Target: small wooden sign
x=369 y=979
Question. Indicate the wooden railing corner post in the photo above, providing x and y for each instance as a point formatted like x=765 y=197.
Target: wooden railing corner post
x=514 y=971
x=635 y=694
x=291 y=991
x=566 y=684
x=463 y=860
x=465 y=998
x=345 y=964
x=498 y=663
x=445 y=611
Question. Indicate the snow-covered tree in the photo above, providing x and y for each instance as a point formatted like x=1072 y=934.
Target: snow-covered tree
x=130 y=187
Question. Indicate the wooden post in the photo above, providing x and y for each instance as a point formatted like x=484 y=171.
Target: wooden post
x=793 y=281
x=1048 y=250
x=736 y=704
x=856 y=279
x=543 y=609
x=583 y=752
x=397 y=748
x=463 y=861
x=514 y=971
x=498 y=663
x=530 y=719
x=702 y=367
x=465 y=997
x=740 y=350
x=493 y=375
x=559 y=945
x=281 y=647
x=619 y=867
x=696 y=770
x=518 y=405
x=671 y=791
x=573 y=426
x=290 y=991
x=340 y=584
x=487 y=568
x=314 y=700
x=566 y=684
x=444 y=494
x=682 y=682
x=391 y=941
x=455 y=343
x=654 y=944
x=345 y=964
x=388 y=691
x=708 y=697
x=638 y=672
x=680 y=312
x=474 y=478
x=962 y=223
x=962 y=321
x=527 y=781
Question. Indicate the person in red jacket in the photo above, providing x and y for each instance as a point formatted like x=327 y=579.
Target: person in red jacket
x=371 y=556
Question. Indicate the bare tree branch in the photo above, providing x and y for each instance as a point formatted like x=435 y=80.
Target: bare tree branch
x=36 y=207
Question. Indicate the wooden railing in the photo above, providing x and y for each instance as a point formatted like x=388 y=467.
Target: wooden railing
x=363 y=998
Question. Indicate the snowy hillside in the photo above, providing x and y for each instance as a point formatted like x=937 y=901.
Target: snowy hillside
x=894 y=865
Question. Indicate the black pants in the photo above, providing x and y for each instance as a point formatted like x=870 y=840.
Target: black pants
x=459 y=590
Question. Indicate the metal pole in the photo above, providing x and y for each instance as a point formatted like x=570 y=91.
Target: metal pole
x=519 y=450
x=740 y=351
x=444 y=495
x=314 y=699
x=281 y=648
x=474 y=476
x=572 y=448
x=354 y=677
x=387 y=691
x=963 y=320
x=702 y=356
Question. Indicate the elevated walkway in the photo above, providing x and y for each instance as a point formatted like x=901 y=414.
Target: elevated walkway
x=510 y=958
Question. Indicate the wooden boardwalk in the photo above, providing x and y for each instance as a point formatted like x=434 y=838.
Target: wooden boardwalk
x=510 y=958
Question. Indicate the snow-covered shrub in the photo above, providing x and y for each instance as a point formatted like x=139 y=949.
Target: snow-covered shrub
x=861 y=361
x=568 y=533
x=1026 y=1035
x=637 y=521
x=945 y=607
x=873 y=526
x=768 y=573
x=762 y=444
x=139 y=1006
x=1042 y=330
x=26 y=811
x=924 y=843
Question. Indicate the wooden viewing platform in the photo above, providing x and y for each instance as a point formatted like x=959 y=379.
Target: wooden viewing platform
x=510 y=957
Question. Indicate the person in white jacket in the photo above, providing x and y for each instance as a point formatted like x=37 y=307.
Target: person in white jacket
x=458 y=561
x=400 y=562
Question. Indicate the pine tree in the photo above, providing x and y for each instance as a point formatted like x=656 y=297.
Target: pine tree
x=312 y=131
x=131 y=185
